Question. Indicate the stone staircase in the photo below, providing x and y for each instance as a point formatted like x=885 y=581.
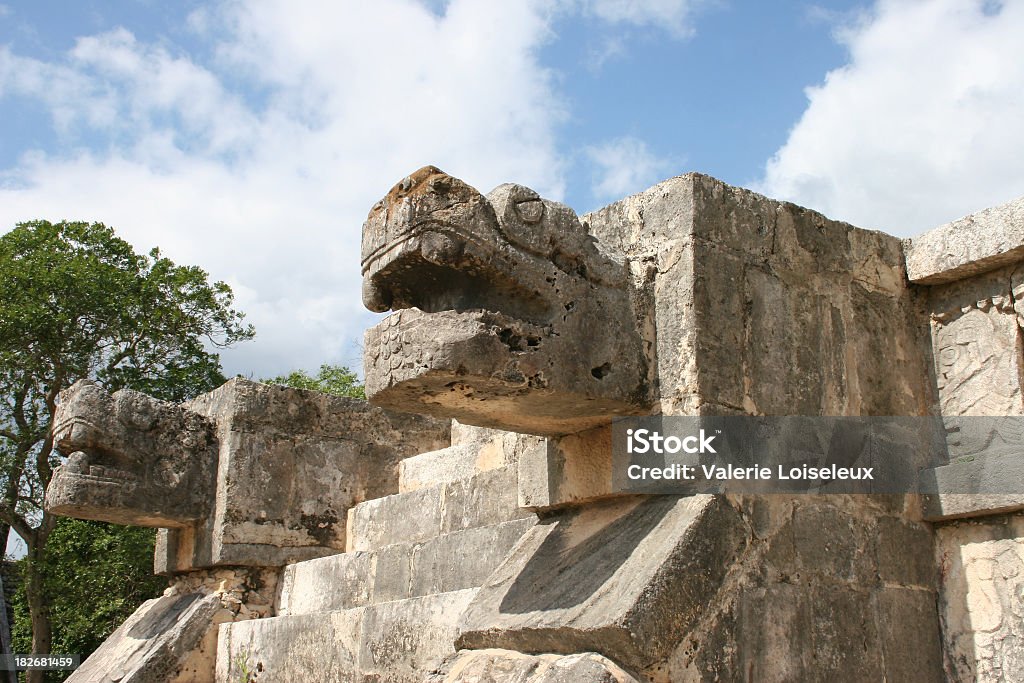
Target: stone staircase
x=388 y=608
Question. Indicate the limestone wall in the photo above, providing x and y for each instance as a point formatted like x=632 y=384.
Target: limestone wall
x=763 y=307
x=975 y=315
x=243 y=593
x=981 y=565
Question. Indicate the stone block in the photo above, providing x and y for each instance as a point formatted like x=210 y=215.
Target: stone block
x=627 y=578
x=153 y=643
x=456 y=561
x=911 y=654
x=464 y=559
x=974 y=244
x=476 y=666
x=473 y=450
x=986 y=484
x=438 y=467
x=398 y=642
x=982 y=567
x=327 y=584
x=568 y=470
x=975 y=328
x=131 y=459
x=405 y=640
x=311 y=647
x=488 y=497
x=492 y=297
x=291 y=464
x=412 y=516
x=949 y=506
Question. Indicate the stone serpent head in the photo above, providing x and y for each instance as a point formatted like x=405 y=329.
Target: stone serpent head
x=131 y=459
x=507 y=312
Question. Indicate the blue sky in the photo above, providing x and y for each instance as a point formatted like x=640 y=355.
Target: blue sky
x=251 y=137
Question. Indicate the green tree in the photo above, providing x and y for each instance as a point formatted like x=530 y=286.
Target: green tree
x=95 y=575
x=78 y=302
x=330 y=379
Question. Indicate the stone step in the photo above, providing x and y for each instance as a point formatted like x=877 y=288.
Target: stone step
x=488 y=497
x=473 y=449
x=449 y=464
x=467 y=435
x=455 y=561
x=396 y=641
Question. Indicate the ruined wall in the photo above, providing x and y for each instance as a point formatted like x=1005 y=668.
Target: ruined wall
x=747 y=306
x=280 y=469
x=243 y=593
x=729 y=303
x=972 y=283
x=981 y=562
x=290 y=465
x=830 y=588
x=763 y=307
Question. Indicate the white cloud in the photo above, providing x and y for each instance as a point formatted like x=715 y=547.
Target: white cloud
x=924 y=123
x=261 y=164
x=671 y=15
x=623 y=166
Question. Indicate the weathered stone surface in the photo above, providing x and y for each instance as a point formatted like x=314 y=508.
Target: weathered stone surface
x=982 y=566
x=988 y=483
x=975 y=332
x=131 y=459
x=249 y=474
x=830 y=587
x=436 y=467
x=397 y=642
x=507 y=666
x=626 y=578
x=466 y=434
x=697 y=253
x=486 y=449
x=489 y=497
x=947 y=506
x=976 y=339
x=763 y=307
x=493 y=297
x=709 y=300
x=568 y=470
x=244 y=593
x=313 y=647
x=153 y=643
x=174 y=638
x=455 y=561
x=291 y=464
x=968 y=246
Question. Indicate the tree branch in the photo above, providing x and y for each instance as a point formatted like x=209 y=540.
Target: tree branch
x=20 y=526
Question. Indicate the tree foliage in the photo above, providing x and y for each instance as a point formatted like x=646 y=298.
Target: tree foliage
x=330 y=379
x=95 y=575
x=78 y=302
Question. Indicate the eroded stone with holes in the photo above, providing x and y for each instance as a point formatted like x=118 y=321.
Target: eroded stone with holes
x=131 y=459
x=248 y=474
x=499 y=302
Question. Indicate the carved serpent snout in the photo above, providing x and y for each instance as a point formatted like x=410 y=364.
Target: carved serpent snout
x=518 y=320
x=131 y=459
